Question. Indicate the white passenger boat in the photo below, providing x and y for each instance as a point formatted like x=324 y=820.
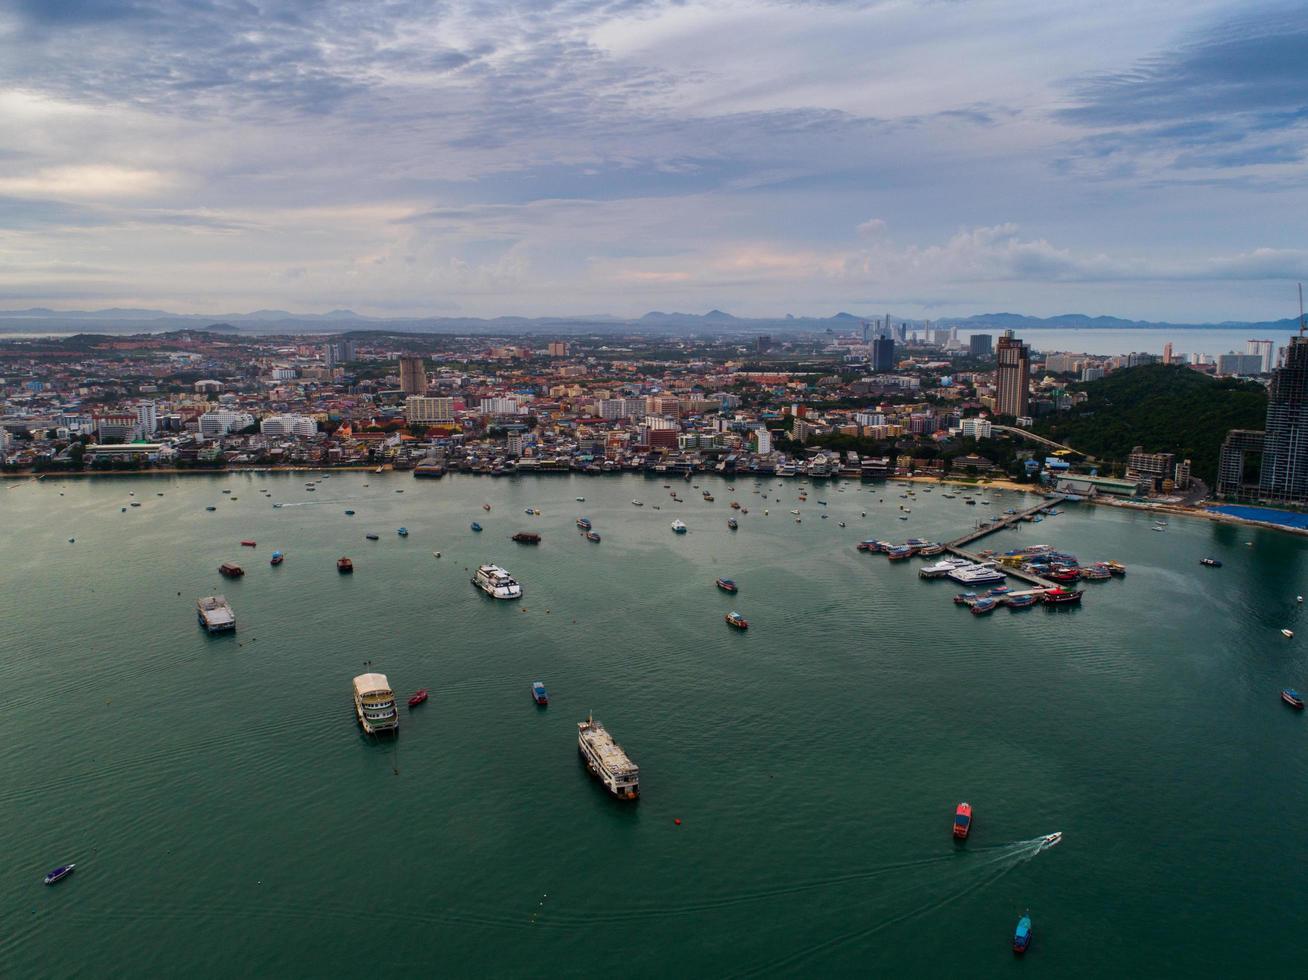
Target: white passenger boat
x=215 y=614
x=497 y=583
x=374 y=704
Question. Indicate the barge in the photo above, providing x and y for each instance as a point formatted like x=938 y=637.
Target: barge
x=215 y=614
x=607 y=761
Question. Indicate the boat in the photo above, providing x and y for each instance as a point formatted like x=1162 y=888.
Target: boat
x=1061 y=597
x=962 y=820
x=606 y=760
x=527 y=537
x=735 y=619
x=678 y=527
x=402 y=532
x=229 y=569
x=1000 y=590
x=1287 y=633
x=1293 y=698
x=374 y=704
x=496 y=582
x=276 y=559
x=580 y=499
x=1117 y=568
x=732 y=523
x=1210 y=562
x=592 y=536
x=137 y=503
x=59 y=873
x=476 y=526
x=735 y=505
x=708 y=498
x=727 y=585
x=942 y=568
x=1096 y=573
x=976 y=575
x=248 y=544
x=842 y=524
x=485 y=506
x=637 y=503
x=310 y=489
x=539 y=694
x=984 y=605
x=969 y=502
x=207 y=508
x=344 y=566
x=1049 y=840
x=1022 y=934
x=373 y=537
x=215 y=614
x=584 y=523
x=418 y=698
x=349 y=513
x=1021 y=601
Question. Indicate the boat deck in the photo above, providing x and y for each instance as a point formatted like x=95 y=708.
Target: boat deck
x=609 y=752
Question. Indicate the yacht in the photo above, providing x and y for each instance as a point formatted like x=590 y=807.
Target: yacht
x=942 y=568
x=374 y=704
x=497 y=583
x=973 y=574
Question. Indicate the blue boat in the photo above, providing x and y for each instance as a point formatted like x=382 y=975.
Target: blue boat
x=592 y=536
x=476 y=526
x=539 y=694
x=59 y=873
x=1021 y=602
x=1022 y=934
x=984 y=605
x=403 y=532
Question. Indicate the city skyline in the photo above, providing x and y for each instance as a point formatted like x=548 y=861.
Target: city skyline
x=609 y=159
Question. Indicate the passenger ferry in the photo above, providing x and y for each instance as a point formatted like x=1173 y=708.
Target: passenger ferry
x=606 y=760
x=374 y=704
x=215 y=614
x=497 y=583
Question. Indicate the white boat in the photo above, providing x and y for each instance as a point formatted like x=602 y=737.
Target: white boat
x=973 y=574
x=215 y=614
x=679 y=526
x=637 y=503
x=1287 y=632
x=497 y=583
x=606 y=760
x=942 y=567
x=374 y=704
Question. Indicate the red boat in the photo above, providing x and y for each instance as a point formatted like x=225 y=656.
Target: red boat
x=344 y=566
x=229 y=569
x=962 y=820
x=248 y=544
x=1065 y=574
x=1060 y=597
x=418 y=698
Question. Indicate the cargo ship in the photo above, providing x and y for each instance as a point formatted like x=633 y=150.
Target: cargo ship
x=374 y=704
x=215 y=614
x=606 y=760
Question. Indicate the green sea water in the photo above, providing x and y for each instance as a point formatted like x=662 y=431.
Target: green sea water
x=228 y=818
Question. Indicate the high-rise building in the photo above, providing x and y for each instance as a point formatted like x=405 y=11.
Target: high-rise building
x=419 y=408
x=1012 y=377
x=338 y=352
x=1244 y=365
x=558 y=348
x=1263 y=349
x=1284 y=474
x=979 y=345
x=883 y=354
x=763 y=343
x=1167 y=352
x=1153 y=468
x=413 y=376
x=147 y=418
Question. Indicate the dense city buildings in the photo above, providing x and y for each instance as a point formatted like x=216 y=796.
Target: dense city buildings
x=1280 y=451
x=1013 y=377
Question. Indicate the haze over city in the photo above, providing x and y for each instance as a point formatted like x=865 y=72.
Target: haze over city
x=939 y=159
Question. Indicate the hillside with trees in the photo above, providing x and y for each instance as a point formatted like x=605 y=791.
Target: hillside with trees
x=1165 y=409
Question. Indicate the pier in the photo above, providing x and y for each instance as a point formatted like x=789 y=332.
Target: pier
x=958 y=545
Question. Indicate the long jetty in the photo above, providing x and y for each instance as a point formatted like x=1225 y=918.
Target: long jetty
x=958 y=545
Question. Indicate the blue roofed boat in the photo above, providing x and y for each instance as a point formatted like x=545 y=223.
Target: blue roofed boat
x=1022 y=934
x=984 y=605
x=1293 y=698
x=539 y=694
x=59 y=873
x=476 y=526
x=403 y=532
x=1020 y=601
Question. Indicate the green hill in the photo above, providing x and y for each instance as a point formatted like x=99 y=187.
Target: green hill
x=1165 y=409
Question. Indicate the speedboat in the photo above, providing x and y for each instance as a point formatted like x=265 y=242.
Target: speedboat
x=349 y=513
x=1022 y=934
x=1049 y=840
x=735 y=619
x=418 y=698
x=59 y=873
x=727 y=585
x=1210 y=562
x=580 y=499
x=539 y=694
x=637 y=503
x=1293 y=698
x=962 y=820
x=1287 y=633
x=475 y=526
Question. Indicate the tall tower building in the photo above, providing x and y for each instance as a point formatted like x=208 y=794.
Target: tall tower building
x=1167 y=352
x=413 y=376
x=1262 y=348
x=1012 y=376
x=1284 y=473
x=883 y=354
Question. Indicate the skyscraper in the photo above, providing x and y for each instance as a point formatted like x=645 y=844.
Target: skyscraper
x=883 y=354
x=1264 y=350
x=338 y=352
x=1012 y=377
x=1284 y=473
x=978 y=345
x=413 y=376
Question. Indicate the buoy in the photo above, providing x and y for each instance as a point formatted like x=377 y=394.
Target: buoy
x=677 y=821
x=1298 y=599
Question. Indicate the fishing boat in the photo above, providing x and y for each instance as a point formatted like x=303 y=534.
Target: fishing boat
x=229 y=569
x=1020 y=601
x=584 y=523
x=1117 y=568
x=539 y=694
x=1000 y=590
x=678 y=527
x=418 y=698
x=475 y=526
x=248 y=544
x=373 y=537
x=962 y=820
x=349 y=513
x=1022 y=934
x=402 y=532
x=732 y=523
x=735 y=619
x=1210 y=562
x=344 y=566
x=735 y=505
x=984 y=605
x=965 y=598
x=1293 y=698
x=276 y=559
x=1061 y=597
x=592 y=536
x=727 y=585
x=485 y=506
x=527 y=537
x=59 y=873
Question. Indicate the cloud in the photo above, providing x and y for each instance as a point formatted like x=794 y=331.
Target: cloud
x=872 y=227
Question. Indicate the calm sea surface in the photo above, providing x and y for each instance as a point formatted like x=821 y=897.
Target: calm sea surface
x=1105 y=341
x=229 y=819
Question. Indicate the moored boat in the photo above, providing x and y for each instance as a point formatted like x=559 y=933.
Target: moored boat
x=984 y=605
x=1020 y=601
x=606 y=760
x=475 y=526
x=496 y=582
x=248 y=544
x=1022 y=934
x=418 y=698
x=344 y=566
x=727 y=585
x=215 y=614
x=736 y=620
x=1061 y=597
x=276 y=559
x=962 y=820
x=229 y=569
x=678 y=527
x=1293 y=698
x=539 y=694
x=374 y=704
x=526 y=537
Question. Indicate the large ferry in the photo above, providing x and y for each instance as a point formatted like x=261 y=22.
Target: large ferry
x=497 y=583
x=606 y=760
x=374 y=704
x=215 y=614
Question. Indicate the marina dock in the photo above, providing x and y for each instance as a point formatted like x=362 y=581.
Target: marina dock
x=958 y=545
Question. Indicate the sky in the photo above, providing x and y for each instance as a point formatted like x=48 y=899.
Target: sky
x=928 y=158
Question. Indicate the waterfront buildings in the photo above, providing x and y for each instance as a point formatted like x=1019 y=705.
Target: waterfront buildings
x=1281 y=449
x=1012 y=377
